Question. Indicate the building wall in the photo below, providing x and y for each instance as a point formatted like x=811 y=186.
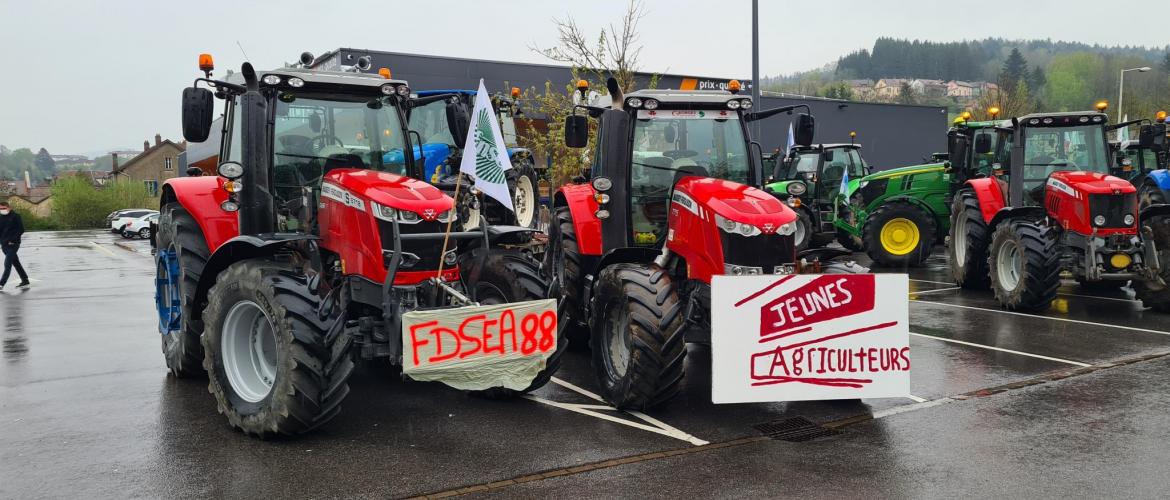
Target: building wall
x=891 y=135
x=154 y=166
x=42 y=209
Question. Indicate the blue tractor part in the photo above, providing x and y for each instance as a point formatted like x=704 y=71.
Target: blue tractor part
x=1155 y=188
x=166 y=292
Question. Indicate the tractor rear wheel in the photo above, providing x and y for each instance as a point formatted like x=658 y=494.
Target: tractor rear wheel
x=638 y=341
x=967 y=250
x=276 y=365
x=182 y=254
x=569 y=268
x=898 y=234
x=508 y=276
x=1151 y=194
x=1155 y=294
x=850 y=242
x=1024 y=265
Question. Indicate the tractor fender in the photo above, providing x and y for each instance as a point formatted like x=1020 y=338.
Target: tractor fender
x=245 y=247
x=990 y=195
x=582 y=205
x=1154 y=211
x=1015 y=213
x=1159 y=178
x=201 y=197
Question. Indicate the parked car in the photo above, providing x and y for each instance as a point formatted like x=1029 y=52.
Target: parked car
x=140 y=227
x=119 y=219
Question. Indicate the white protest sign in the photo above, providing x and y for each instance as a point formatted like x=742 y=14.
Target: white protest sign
x=479 y=347
x=809 y=337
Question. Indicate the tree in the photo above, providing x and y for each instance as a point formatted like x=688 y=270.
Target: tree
x=1165 y=66
x=1070 y=81
x=906 y=94
x=1015 y=69
x=45 y=164
x=1036 y=79
x=838 y=90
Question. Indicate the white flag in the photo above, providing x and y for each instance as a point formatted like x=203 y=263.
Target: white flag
x=485 y=157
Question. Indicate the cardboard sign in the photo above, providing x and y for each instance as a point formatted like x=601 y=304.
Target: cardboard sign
x=809 y=336
x=480 y=347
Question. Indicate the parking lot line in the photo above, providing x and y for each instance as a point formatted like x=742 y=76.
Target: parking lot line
x=910 y=407
x=1064 y=294
x=935 y=282
x=916 y=399
x=658 y=427
x=576 y=389
x=104 y=249
x=993 y=348
x=1004 y=311
x=923 y=292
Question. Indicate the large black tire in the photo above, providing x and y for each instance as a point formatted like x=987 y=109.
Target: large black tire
x=967 y=248
x=850 y=242
x=178 y=232
x=523 y=184
x=511 y=276
x=904 y=214
x=1024 y=265
x=308 y=358
x=1150 y=194
x=804 y=230
x=572 y=320
x=1156 y=294
x=638 y=339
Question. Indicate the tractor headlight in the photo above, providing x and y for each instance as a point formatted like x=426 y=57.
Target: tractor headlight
x=651 y=104
x=745 y=104
x=229 y=206
x=733 y=227
x=733 y=104
x=451 y=258
x=295 y=82
x=1099 y=220
x=388 y=89
x=408 y=217
x=634 y=102
x=272 y=79
x=403 y=90
x=787 y=229
x=231 y=170
x=797 y=188
x=449 y=215
x=602 y=183
x=1128 y=219
x=384 y=212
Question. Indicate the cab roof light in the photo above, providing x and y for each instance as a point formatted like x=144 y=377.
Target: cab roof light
x=384 y=72
x=1160 y=116
x=966 y=116
x=206 y=64
x=515 y=92
x=582 y=84
x=733 y=86
x=1102 y=106
x=993 y=111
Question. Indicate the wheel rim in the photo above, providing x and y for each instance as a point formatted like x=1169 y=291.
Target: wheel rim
x=900 y=236
x=959 y=241
x=249 y=351
x=167 y=291
x=524 y=201
x=144 y=233
x=618 y=340
x=1007 y=264
x=801 y=231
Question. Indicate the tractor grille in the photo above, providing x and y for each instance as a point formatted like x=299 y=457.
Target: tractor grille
x=426 y=250
x=764 y=251
x=1114 y=207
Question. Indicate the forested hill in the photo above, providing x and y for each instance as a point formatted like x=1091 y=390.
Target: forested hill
x=967 y=60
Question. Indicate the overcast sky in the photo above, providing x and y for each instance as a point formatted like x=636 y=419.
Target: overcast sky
x=83 y=76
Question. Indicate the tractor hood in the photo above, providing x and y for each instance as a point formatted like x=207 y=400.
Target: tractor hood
x=1090 y=183
x=392 y=190
x=737 y=202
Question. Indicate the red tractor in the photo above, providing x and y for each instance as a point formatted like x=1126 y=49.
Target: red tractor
x=305 y=251
x=667 y=205
x=1053 y=210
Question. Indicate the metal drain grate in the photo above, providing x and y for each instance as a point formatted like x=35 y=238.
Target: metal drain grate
x=795 y=429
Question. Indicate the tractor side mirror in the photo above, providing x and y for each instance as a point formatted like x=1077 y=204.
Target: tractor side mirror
x=458 y=121
x=576 y=131
x=957 y=151
x=982 y=144
x=1159 y=142
x=197 y=109
x=669 y=134
x=804 y=129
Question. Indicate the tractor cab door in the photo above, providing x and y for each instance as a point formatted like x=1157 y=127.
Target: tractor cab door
x=835 y=163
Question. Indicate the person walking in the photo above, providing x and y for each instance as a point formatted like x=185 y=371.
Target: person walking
x=11 y=228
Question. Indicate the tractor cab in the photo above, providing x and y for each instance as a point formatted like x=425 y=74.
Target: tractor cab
x=1132 y=161
x=977 y=149
x=808 y=179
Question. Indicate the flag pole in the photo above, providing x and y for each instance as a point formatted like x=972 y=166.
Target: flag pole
x=447 y=234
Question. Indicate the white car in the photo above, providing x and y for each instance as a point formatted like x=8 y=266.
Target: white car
x=140 y=227
x=119 y=219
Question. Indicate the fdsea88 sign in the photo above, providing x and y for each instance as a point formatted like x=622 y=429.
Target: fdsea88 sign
x=809 y=337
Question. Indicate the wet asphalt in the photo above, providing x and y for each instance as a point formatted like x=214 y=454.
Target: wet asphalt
x=1071 y=402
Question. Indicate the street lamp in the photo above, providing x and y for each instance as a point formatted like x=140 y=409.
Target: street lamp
x=1121 y=90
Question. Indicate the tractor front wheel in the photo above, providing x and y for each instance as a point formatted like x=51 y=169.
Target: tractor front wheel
x=277 y=364
x=638 y=342
x=525 y=197
x=182 y=254
x=1024 y=265
x=1155 y=294
x=1151 y=194
x=804 y=229
x=568 y=265
x=898 y=234
x=850 y=242
x=503 y=277
x=967 y=250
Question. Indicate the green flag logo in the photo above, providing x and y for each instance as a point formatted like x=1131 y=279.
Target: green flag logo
x=487 y=157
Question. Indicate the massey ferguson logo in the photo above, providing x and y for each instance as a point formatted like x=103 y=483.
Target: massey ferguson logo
x=428 y=213
x=768 y=228
x=685 y=201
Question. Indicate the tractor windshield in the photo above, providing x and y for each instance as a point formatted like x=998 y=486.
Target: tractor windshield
x=1052 y=149
x=665 y=144
x=430 y=121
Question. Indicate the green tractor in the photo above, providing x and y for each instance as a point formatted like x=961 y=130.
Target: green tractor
x=808 y=179
x=898 y=215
